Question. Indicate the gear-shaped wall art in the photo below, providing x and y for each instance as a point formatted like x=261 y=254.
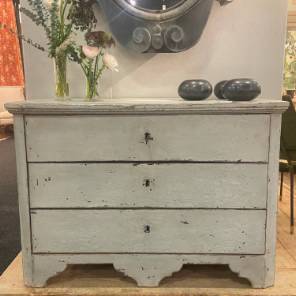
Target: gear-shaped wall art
x=158 y=25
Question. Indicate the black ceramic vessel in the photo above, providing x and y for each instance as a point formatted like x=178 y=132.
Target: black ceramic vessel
x=243 y=89
x=195 y=90
x=219 y=89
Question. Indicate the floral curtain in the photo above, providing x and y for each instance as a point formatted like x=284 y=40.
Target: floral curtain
x=11 y=71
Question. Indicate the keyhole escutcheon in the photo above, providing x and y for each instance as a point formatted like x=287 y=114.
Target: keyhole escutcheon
x=147 y=228
x=147 y=183
x=148 y=138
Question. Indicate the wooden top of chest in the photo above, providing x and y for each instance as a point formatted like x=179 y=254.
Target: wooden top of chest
x=144 y=106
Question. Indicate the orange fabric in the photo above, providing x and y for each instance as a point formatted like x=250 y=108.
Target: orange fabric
x=11 y=71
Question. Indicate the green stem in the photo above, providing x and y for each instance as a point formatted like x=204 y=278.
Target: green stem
x=62 y=21
x=83 y=69
x=64 y=9
x=92 y=72
x=100 y=72
x=96 y=66
x=90 y=81
x=65 y=30
x=62 y=87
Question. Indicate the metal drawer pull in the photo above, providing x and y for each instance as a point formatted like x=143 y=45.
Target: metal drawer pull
x=147 y=228
x=148 y=138
x=147 y=183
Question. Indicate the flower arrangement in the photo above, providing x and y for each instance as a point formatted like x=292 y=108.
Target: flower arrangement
x=93 y=59
x=61 y=21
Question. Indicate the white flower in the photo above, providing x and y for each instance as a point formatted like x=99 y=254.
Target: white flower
x=90 y=52
x=110 y=62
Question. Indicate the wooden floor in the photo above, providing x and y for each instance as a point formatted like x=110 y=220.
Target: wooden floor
x=5 y=131
x=191 y=281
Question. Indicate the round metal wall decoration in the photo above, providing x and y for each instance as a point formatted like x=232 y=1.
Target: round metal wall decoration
x=157 y=25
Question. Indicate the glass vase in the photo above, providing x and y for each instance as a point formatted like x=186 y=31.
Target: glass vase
x=91 y=88
x=61 y=83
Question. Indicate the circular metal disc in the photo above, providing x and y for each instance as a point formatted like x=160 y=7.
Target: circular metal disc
x=155 y=5
x=157 y=10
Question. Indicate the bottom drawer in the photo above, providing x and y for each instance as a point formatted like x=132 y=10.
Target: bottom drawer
x=149 y=231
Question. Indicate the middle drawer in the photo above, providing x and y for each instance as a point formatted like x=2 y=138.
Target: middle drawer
x=128 y=185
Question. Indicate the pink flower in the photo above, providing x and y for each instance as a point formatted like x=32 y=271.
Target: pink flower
x=90 y=52
x=110 y=62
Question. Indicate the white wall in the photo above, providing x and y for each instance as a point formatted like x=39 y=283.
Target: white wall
x=243 y=39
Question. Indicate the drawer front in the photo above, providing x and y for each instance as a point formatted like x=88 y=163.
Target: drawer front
x=124 y=185
x=149 y=231
x=237 y=138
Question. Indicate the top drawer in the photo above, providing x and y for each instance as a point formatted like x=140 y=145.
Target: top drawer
x=148 y=138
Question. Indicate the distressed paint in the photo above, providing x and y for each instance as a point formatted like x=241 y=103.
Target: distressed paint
x=243 y=238
x=149 y=231
x=144 y=107
x=149 y=269
x=172 y=138
x=23 y=196
x=138 y=185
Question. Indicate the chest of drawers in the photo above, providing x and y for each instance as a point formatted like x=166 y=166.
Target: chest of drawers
x=148 y=186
